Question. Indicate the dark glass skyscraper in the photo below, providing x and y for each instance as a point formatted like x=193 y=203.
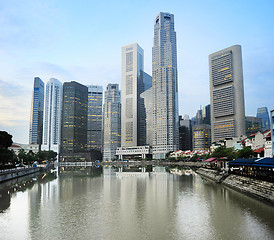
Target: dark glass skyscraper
x=36 y=115
x=263 y=114
x=74 y=121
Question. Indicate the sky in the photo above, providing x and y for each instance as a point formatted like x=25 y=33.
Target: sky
x=82 y=40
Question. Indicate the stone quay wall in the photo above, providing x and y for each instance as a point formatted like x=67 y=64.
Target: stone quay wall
x=257 y=188
x=16 y=173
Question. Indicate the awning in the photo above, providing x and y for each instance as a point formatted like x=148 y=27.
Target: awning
x=261 y=162
x=242 y=162
x=268 y=162
x=210 y=159
x=259 y=150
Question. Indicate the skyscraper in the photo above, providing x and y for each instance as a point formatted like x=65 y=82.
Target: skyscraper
x=201 y=137
x=185 y=133
x=146 y=125
x=52 y=115
x=272 y=130
x=227 y=93
x=263 y=114
x=95 y=104
x=74 y=121
x=206 y=114
x=252 y=125
x=111 y=122
x=134 y=82
x=132 y=67
x=36 y=114
x=165 y=86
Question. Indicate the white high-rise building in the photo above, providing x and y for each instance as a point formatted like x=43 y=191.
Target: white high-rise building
x=227 y=94
x=165 y=87
x=52 y=115
x=134 y=82
x=111 y=122
x=132 y=66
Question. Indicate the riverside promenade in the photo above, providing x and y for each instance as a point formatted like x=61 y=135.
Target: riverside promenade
x=10 y=174
x=134 y=163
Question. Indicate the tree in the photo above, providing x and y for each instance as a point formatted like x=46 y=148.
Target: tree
x=221 y=152
x=41 y=156
x=5 y=140
x=52 y=155
x=22 y=156
x=246 y=152
x=6 y=156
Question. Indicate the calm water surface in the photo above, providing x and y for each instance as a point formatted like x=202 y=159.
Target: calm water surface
x=88 y=203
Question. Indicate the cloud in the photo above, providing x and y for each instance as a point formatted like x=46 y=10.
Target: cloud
x=14 y=100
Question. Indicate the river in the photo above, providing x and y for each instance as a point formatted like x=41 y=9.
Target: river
x=96 y=203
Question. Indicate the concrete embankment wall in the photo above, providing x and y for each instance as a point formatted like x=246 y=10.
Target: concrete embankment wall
x=260 y=189
x=16 y=173
x=212 y=174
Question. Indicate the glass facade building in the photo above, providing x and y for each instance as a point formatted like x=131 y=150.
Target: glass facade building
x=165 y=87
x=111 y=122
x=263 y=114
x=52 y=115
x=252 y=125
x=272 y=130
x=36 y=114
x=185 y=133
x=74 y=121
x=95 y=104
x=226 y=94
x=201 y=137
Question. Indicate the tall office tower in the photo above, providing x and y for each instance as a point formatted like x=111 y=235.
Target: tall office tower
x=146 y=126
x=272 y=130
x=185 y=133
x=263 y=114
x=134 y=82
x=165 y=87
x=206 y=114
x=227 y=94
x=95 y=104
x=74 y=121
x=36 y=114
x=111 y=122
x=199 y=117
x=201 y=137
x=52 y=115
x=252 y=125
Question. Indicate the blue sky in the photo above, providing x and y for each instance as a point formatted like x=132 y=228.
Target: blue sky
x=82 y=41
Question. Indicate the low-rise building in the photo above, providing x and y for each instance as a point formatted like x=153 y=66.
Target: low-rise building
x=16 y=147
x=134 y=152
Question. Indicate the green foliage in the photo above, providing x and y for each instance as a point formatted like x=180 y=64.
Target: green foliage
x=194 y=157
x=167 y=155
x=222 y=152
x=5 y=140
x=22 y=155
x=6 y=156
x=246 y=152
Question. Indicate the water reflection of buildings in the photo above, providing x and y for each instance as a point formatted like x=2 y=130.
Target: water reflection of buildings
x=9 y=188
x=149 y=199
